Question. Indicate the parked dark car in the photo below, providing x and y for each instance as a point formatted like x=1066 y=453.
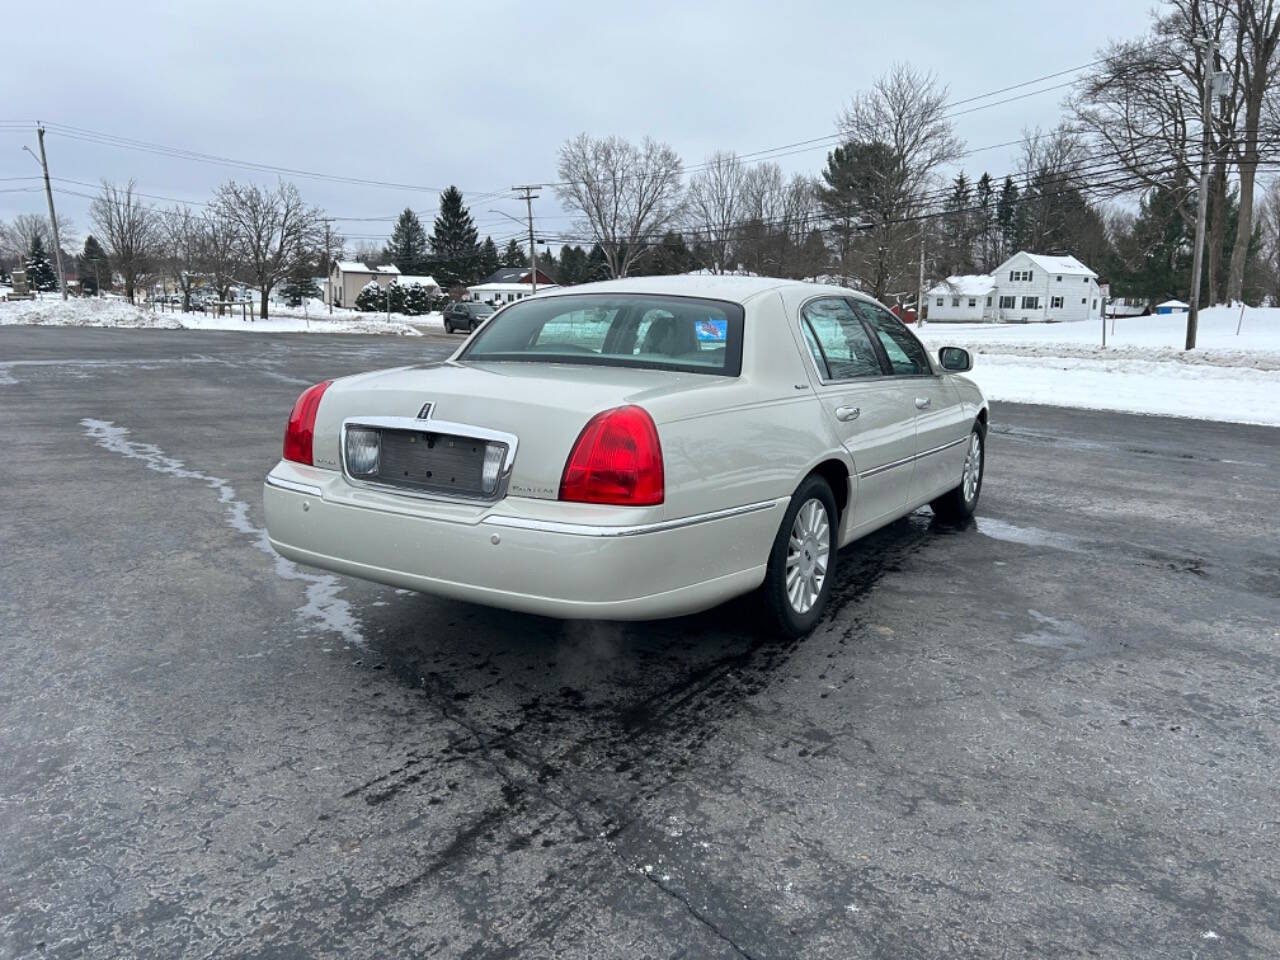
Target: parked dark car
x=465 y=316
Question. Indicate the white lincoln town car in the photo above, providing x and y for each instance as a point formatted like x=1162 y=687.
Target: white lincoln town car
x=634 y=449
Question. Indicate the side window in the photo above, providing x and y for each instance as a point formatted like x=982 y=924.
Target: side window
x=906 y=355
x=837 y=340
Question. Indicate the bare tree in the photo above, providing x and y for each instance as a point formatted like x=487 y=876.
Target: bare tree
x=901 y=125
x=627 y=195
x=1253 y=57
x=17 y=235
x=907 y=111
x=712 y=205
x=272 y=229
x=1140 y=110
x=1269 y=219
x=130 y=229
x=219 y=253
x=183 y=237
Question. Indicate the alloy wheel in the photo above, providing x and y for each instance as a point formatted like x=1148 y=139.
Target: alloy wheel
x=972 y=468
x=808 y=552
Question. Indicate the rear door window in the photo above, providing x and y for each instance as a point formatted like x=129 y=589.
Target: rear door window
x=907 y=357
x=838 y=341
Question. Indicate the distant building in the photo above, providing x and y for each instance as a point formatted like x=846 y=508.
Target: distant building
x=517 y=275
x=969 y=299
x=499 y=294
x=348 y=277
x=1026 y=288
x=1172 y=306
x=421 y=279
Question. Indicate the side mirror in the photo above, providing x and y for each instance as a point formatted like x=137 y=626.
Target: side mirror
x=955 y=359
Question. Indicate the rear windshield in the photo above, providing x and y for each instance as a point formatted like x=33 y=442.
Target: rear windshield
x=627 y=330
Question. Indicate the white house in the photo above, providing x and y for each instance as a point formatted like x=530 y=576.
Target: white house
x=969 y=298
x=1034 y=288
x=499 y=294
x=1026 y=288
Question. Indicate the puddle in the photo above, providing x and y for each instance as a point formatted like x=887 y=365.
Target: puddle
x=1030 y=536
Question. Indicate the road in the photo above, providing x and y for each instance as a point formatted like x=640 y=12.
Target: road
x=1052 y=734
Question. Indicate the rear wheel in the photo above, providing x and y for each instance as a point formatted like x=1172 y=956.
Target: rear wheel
x=959 y=503
x=797 y=580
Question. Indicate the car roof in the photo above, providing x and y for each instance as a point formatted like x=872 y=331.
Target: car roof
x=736 y=289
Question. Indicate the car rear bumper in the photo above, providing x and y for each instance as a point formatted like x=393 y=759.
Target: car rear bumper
x=520 y=559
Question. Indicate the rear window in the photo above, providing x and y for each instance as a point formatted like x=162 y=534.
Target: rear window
x=626 y=330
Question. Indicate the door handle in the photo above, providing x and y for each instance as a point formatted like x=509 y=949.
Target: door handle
x=848 y=413
x=923 y=403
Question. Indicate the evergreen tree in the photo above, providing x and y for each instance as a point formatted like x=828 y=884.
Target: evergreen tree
x=409 y=249
x=671 y=256
x=489 y=259
x=956 y=228
x=300 y=284
x=40 y=273
x=377 y=299
x=454 y=243
x=4 y=273
x=597 y=266
x=1010 y=220
x=547 y=264
x=837 y=197
x=984 y=223
x=371 y=299
x=573 y=265
x=95 y=268
x=514 y=255
x=416 y=300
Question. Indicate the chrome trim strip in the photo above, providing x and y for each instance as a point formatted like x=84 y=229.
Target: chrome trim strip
x=447 y=427
x=295 y=486
x=593 y=530
x=911 y=459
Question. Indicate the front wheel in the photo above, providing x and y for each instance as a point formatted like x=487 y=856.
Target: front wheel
x=959 y=503
x=797 y=582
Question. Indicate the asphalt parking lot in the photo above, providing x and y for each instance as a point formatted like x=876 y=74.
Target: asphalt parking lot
x=1055 y=733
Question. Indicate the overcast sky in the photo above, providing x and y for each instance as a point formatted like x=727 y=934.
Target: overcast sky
x=482 y=94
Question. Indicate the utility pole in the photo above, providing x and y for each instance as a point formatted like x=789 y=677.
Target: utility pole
x=1202 y=201
x=529 y=197
x=53 y=218
x=328 y=266
x=920 y=289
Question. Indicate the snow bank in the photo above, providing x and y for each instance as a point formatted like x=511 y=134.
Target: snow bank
x=120 y=313
x=1143 y=368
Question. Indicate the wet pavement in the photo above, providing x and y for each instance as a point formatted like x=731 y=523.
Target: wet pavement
x=1051 y=734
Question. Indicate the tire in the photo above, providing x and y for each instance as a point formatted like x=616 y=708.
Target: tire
x=448 y=327
x=958 y=504
x=796 y=611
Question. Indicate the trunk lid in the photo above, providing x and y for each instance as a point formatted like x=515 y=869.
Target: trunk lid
x=545 y=405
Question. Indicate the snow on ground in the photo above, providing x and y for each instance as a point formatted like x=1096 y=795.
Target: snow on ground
x=52 y=311
x=1143 y=368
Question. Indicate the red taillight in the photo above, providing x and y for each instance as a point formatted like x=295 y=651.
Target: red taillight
x=300 y=432
x=616 y=460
